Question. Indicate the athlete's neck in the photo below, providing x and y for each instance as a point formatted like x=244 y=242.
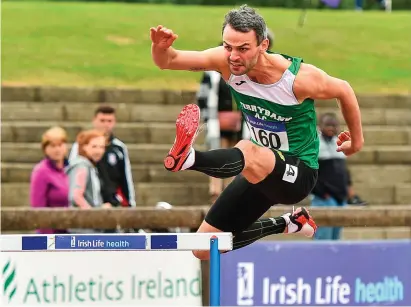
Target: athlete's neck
x=269 y=69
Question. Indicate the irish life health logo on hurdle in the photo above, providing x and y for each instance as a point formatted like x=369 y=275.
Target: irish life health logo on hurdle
x=318 y=274
x=245 y=283
x=97 y=278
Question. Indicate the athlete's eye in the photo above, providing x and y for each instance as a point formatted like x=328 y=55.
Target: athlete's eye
x=243 y=49
x=228 y=48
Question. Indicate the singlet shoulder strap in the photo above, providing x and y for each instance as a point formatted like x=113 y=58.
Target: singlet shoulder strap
x=295 y=65
x=295 y=62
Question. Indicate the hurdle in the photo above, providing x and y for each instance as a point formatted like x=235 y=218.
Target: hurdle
x=212 y=242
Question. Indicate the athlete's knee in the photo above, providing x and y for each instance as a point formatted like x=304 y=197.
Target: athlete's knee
x=202 y=255
x=205 y=227
x=246 y=146
x=259 y=161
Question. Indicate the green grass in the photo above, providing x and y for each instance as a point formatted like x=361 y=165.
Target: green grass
x=107 y=44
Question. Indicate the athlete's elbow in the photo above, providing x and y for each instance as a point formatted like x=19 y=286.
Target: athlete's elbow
x=345 y=89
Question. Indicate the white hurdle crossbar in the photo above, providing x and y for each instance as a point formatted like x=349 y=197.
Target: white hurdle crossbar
x=213 y=242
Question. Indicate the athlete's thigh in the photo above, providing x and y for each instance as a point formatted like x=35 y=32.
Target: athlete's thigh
x=291 y=180
x=238 y=206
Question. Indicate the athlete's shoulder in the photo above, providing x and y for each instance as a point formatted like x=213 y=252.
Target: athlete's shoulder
x=287 y=56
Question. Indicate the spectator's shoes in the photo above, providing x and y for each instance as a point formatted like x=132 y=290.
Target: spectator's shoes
x=356 y=201
x=187 y=125
x=300 y=221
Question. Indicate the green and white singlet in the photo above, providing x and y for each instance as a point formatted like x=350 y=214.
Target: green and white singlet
x=276 y=118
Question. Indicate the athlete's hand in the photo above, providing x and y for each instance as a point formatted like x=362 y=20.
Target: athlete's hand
x=162 y=37
x=344 y=144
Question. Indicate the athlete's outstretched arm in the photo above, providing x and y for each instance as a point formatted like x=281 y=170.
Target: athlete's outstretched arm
x=166 y=57
x=316 y=84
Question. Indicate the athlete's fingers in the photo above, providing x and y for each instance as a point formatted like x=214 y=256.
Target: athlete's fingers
x=343 y=137
x=344 y=147
x=153 y=32
x=159 y=27
x=166 y=33
x=347 y=134
x=171 y=40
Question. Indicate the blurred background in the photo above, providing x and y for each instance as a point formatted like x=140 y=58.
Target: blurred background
x=80 y=94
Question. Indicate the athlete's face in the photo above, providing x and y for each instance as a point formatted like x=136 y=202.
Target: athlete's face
x=242 y=50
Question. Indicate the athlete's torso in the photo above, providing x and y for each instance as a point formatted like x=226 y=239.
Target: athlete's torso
x=275 y=117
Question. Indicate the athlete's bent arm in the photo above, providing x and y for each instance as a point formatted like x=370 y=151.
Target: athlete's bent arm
x=316 y=84
x=166 y=57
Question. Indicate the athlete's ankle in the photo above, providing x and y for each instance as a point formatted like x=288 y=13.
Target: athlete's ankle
x=290 y=226
x=190 y=160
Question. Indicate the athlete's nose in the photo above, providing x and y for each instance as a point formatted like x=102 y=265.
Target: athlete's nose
x=234 y=57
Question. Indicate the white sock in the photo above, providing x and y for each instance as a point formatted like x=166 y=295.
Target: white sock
x=291 y=227
x=190 y=160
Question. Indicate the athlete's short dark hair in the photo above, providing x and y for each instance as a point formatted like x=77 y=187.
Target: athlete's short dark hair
x=246 y=19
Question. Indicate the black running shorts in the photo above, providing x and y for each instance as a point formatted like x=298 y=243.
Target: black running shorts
x=243 y=203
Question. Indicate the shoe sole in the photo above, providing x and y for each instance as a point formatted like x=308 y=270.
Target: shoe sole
x=187 y=125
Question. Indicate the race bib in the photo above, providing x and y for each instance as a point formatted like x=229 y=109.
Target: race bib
x=268 y=134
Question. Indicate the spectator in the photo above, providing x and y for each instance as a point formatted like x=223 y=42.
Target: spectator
x=49 y=184
x=114 y=168
x=225 y=126
x=331 y=189
x=359 y=4
x=84 y=182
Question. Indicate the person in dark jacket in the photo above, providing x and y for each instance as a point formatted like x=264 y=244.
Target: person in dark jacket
x=331 y=189
x=114 y=168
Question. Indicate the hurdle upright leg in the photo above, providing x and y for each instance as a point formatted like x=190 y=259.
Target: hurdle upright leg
x=214 y=272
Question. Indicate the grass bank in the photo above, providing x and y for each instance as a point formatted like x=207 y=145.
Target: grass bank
x=107 y=44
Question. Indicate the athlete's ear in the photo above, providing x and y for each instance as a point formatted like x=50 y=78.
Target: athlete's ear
x=264 y=45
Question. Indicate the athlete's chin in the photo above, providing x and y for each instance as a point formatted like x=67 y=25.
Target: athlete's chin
x=238 y=71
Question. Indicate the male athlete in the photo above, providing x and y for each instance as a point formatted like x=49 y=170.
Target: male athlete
x=276 y=95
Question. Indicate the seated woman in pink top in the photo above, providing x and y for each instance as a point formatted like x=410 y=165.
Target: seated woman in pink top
x=49 y=183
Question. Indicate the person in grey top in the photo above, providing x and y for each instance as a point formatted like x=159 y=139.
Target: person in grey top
x=84 y=181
